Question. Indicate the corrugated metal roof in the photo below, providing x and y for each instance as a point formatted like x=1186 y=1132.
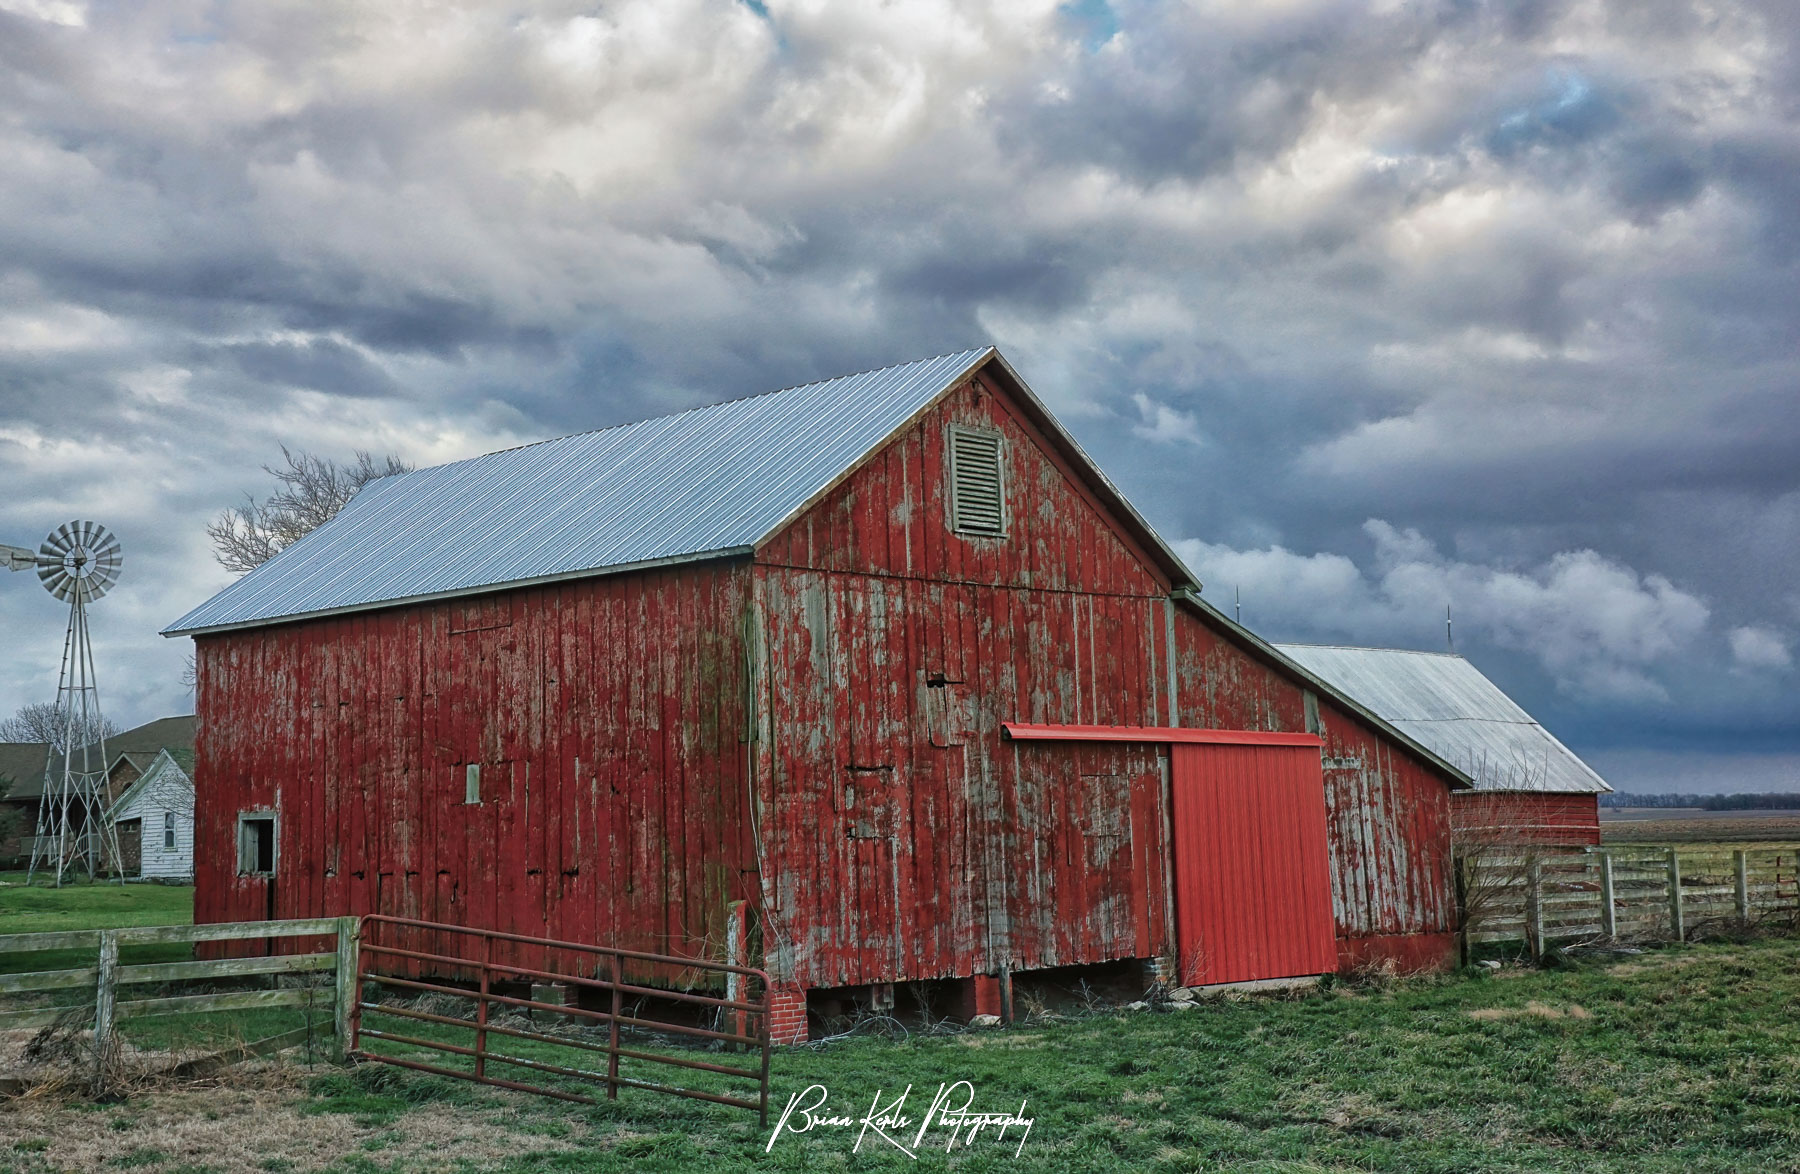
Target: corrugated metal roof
x=709 y=481
x=1443 y=702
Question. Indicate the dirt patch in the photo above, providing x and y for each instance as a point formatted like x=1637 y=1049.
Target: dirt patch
x=252 y=1122
x=1533 y=1009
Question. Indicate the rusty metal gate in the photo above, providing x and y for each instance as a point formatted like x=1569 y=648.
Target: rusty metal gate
x=440 y=965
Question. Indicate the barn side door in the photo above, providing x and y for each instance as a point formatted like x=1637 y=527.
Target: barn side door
x=1252 y=873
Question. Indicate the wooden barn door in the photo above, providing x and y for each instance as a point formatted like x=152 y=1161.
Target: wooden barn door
x=1252 y=872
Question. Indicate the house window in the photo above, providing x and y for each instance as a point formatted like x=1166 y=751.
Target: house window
x=977 y=492
x=168 y=831
x=256 y=845
x=472 y=783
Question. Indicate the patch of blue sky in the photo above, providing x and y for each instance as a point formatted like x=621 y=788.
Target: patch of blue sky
x=1572 y=111
x=1094 y=21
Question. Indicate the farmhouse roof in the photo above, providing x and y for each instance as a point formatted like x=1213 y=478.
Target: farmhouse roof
x=156 y=776
x=22 y=763
x=705 y=483
x=1445 y=703
x=176 y=734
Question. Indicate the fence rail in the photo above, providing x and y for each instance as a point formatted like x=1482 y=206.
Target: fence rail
x=107 y=975
x=1542 y=895
x=510 y=969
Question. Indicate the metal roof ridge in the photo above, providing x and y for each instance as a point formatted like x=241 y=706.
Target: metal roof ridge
x=1369 y=648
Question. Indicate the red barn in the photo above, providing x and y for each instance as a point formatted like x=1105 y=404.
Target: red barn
x=885 y=658
x=1528 y=787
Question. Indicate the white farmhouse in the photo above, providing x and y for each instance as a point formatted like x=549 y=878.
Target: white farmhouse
x=156 y=815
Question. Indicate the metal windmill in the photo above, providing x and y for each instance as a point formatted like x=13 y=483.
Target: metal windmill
x=78 y=563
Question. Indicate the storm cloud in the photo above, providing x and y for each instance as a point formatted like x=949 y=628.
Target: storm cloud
x=1374 y=308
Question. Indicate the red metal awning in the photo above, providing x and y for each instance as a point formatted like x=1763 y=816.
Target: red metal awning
x=1027 y=732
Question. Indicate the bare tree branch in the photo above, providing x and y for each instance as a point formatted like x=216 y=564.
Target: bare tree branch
x=312 y=491
x=43 y=722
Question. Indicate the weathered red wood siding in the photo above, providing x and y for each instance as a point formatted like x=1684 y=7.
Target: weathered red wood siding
x=1495 y=816
x=1388 y=812
x=906 y=837
x=607 y=717
x=854 y=678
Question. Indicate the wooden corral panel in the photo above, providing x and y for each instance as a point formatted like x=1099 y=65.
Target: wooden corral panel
x=1500 y=817
x=605 y=717
x=1387 y=812
x=1252 y=885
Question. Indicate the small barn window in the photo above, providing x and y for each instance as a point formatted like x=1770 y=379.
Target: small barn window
x=256 y=845
x=168 y=831
x=977 y=493
x=472 y=783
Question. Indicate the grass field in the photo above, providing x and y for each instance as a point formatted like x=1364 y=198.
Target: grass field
x=1684 y=1059
x=1727 y=829
x=40 y=909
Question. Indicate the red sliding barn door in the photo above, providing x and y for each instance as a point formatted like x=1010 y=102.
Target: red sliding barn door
x=1252 y=873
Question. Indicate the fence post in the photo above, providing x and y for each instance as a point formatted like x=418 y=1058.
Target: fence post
x=736 y=948
x=1609 y=914
x=349 y=989
x=612 y=1039
x=1742 y=863
x=1458 y=867
x=106 y=994
x=1677 y=918
x=1534 y=905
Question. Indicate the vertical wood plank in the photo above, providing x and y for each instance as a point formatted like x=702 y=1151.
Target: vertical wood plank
x=1609 y=907
x=1677 y=914
x=106 y=996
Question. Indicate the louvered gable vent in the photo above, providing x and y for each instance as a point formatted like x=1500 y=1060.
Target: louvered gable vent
x=978 y=504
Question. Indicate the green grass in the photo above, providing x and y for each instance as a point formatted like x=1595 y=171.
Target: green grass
x=1687 y=1059
x=1683 y=1059
x=40 y=908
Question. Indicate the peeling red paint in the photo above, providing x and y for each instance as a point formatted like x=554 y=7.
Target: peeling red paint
x=817 y=730
x=1547 y=818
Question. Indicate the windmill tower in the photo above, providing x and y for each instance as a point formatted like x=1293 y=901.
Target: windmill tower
x=78 y=563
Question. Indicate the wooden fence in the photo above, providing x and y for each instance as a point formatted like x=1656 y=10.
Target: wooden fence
x=1542 y=896
x=106 y=976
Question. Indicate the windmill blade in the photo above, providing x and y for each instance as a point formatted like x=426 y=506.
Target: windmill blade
x=79 y=559
x=56 y=545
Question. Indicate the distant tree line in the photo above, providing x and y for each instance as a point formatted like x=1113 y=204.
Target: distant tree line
x=1763 y=801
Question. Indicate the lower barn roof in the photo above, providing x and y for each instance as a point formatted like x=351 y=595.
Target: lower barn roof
x=1443 y=702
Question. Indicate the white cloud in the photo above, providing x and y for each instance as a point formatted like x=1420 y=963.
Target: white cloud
x=1162 y=424
x=72 y=13
x=1758 y=648
x=1599 y=628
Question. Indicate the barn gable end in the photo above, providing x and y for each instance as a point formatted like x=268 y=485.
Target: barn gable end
x=892 y=516
x=910 y=839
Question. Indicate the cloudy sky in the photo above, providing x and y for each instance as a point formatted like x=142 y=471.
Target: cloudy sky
x=1369 y=307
